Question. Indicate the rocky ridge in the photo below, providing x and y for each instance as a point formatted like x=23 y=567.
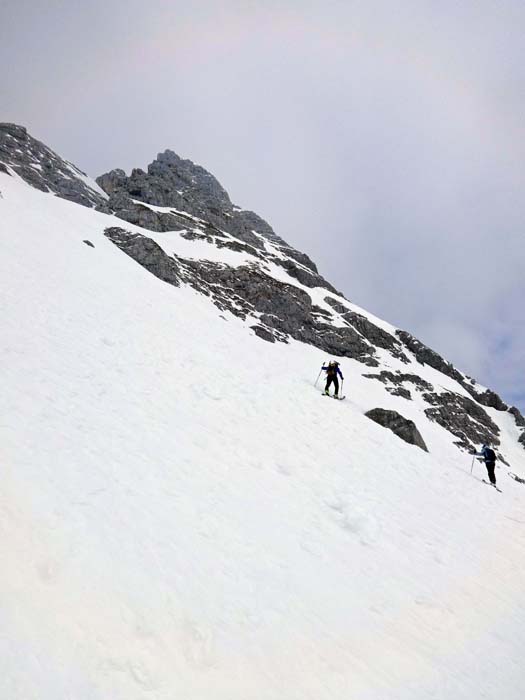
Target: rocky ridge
x=175 y=195
x=43 y=169
x=191 y=194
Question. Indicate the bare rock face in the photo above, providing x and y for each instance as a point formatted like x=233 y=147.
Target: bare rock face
x=196 y=199
x=43 y=169
x=464 y=418
x=520 y=420
x=284 y=311
x=488 y=398
x=147 y=253
x=426 y=356
x=375 y=335
x=402 y=427
x=395 y=382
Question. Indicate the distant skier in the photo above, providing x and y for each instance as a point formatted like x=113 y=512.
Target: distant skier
x=489 y=457
x=332 y=370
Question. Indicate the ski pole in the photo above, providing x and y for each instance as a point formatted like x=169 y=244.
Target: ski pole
x=472 y=465
x=342 y=382
x=318 y=375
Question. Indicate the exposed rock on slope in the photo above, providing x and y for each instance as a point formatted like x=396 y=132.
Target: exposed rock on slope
x=40 y=167
x=147 y=253
x=464 y=418
x=520 y=420
x=190 y=194
x=402 y=427
x=426 y=356
x=283 y=310
x=395 y=382
x=375 y=335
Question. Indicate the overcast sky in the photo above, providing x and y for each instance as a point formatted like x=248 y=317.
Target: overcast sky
x=384 y=138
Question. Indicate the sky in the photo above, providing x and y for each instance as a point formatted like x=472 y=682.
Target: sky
x=386 y=139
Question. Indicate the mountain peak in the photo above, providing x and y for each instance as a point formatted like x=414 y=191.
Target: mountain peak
x=15 y=130
x=169 y=156
x=187 y=189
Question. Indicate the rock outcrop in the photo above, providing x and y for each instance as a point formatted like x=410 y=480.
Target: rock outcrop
x=464 y=418
x=147 y=253
x=519 y=419
x=402 y=427
x=375 y=335
x=43 y=169
x=189 y=194
x=284 y=310
x=395 y=381
x=425 y=356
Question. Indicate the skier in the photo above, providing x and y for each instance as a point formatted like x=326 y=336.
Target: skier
x=332 y=370
x=489 y=457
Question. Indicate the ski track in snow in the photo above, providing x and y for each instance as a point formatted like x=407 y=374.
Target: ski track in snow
x=183 y=515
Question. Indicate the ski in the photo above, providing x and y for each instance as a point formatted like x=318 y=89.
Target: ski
x=337 y=398
x=489 y=484
x=517 y=478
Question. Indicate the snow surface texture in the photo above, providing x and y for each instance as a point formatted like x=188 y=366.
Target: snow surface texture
x=183 y=515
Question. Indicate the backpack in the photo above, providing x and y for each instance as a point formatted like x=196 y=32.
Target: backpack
x=490 y=455
x=332 y=369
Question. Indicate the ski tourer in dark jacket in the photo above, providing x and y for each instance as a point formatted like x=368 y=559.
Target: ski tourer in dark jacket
x=489 y=457
x=332 y=371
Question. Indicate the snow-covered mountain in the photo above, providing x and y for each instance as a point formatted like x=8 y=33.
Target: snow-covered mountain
x=183 y=513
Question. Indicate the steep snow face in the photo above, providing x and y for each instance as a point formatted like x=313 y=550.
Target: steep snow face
x=184 y=515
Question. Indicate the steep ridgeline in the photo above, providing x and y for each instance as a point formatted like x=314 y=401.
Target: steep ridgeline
x=177 y=195
x=277 y=285
x=183 y=228
x=40 y=167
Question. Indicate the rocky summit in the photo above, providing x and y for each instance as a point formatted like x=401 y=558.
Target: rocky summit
x=275 y=288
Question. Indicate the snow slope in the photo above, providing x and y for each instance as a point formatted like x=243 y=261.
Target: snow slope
x=184 y=516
